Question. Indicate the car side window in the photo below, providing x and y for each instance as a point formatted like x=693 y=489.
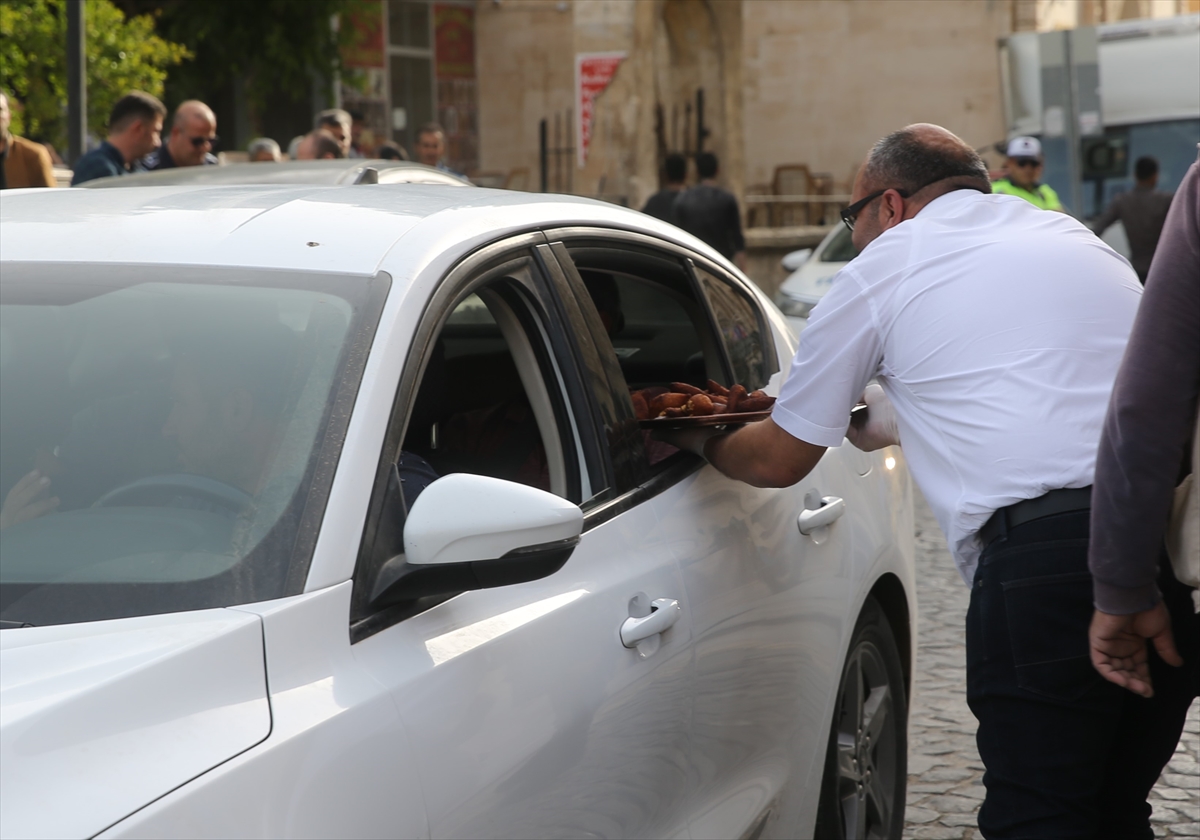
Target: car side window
x=656 y=325
x=741 y=329
x=483 y=393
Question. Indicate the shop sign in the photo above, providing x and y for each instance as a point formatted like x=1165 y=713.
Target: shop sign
x=454 y=41
x=363 y=46
x=593 y=73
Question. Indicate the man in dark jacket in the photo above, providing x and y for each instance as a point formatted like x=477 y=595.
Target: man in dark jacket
x=661 y=204
x=711 y=214
x=193 y=136
x=134 y=128
x=1143 y=212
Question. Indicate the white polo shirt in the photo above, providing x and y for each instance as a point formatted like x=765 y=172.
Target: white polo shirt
x=996 y=330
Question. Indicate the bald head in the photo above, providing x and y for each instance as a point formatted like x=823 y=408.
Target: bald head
x=906 y=170
x=193 y=133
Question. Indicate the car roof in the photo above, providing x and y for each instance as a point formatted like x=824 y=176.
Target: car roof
x=285 y=172
x=343 y=229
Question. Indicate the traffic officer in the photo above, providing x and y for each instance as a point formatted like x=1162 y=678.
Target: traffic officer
x=995 y=332
x=1024 y=167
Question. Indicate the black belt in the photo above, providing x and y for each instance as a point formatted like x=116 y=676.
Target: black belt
x=1052 y=504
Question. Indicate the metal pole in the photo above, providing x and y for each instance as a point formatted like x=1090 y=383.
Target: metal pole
x=701 y=131
x=76 y=81
x=543 y=157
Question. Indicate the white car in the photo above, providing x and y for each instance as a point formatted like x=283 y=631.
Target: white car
x=812 y=273
x=246 y=605
x=290 y=172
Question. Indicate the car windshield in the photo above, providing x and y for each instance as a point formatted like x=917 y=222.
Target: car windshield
x=160 y=436
x=840 y=247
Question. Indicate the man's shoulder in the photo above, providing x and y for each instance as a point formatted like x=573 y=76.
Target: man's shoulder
x=157 y=159
x=29 y=147
x=97 y=163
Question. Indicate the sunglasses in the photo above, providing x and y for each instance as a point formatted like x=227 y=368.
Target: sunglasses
x=850 y=214
x=1027 y=161
x=200 y=141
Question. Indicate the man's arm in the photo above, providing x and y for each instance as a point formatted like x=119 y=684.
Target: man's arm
x=759 y=454
x=1109 y=217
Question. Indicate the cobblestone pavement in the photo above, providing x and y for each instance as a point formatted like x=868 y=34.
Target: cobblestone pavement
x=944 y=783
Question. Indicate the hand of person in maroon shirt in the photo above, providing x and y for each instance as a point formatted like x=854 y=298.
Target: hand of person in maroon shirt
x=1118 y=646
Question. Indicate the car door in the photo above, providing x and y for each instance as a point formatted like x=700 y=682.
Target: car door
x=767 y=603
x=526 y=714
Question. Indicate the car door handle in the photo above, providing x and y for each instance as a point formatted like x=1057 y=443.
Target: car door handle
x=831 y=508
x=666 y=611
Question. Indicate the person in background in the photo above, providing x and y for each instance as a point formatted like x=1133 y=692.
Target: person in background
x=335 y=122
x=431 y=148
x=359 y=147
x=711 y=214
x=1024 y=167
x=264 y=150
x=319 y=145
x=1142 y=211
x=1143 y=451
x=23 y=163
x=191 y=141
x=390 y=150
x=134 y=129
x=661 y=204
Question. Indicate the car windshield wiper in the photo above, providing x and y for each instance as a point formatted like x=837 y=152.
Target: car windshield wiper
x=8 y=624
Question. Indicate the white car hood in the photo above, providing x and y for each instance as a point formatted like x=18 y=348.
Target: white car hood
x=99 y=719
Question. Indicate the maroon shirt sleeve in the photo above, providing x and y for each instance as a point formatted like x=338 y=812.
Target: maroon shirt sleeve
x=1151 y=418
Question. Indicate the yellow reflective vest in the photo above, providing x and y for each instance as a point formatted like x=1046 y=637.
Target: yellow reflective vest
x=1040 y=196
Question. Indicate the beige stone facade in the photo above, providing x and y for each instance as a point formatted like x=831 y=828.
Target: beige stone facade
x=784 y=81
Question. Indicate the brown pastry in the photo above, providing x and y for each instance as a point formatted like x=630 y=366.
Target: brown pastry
x=641 y=408
x=664 y=401
x=700 y=405
x=715 y=387
x=736 y=394
x=653 y=391
x=684 y=388
x=679 y=411
x=752 y=403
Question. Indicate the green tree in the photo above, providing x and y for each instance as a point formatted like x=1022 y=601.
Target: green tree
x=122 y=55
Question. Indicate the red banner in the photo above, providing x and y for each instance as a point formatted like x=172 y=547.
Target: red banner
x=593 y=72
x=364 y=47
x=454 y=42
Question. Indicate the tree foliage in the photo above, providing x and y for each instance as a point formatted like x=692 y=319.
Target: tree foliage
x=275 y=47
x=123 y=54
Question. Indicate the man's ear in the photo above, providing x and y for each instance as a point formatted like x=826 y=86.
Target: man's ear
x=891 y=210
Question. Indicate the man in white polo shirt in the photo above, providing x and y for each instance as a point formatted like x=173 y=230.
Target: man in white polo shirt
x=995 y=331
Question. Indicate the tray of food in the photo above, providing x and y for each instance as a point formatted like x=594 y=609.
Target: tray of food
x=680 y=405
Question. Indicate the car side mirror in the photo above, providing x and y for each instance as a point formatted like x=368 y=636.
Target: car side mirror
x=469 y=532
x=795 y=259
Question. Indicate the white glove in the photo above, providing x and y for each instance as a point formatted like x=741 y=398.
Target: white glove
x=880 y=428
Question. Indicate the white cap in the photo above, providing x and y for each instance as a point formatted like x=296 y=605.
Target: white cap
x=1024 y=147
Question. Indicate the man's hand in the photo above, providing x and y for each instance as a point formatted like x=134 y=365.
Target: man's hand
x=27 y=500
x=880 y=429
x=1118 y=646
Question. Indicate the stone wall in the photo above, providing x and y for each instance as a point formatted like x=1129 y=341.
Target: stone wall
x=824 y=79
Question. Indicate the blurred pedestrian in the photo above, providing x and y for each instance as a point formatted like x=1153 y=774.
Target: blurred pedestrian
x=431 y=148
x=710 y=213
x=1142 y=211
x=661 y=204
x=995 y=331
x=191 y=141
x=336 y=123
x=1024 y=167
x=359 y=137
x=294 y=146
x=319 y=145
x=1151 y=421
x=134 y=129
x=264 y=150
x=390 y=150
x=23 y=163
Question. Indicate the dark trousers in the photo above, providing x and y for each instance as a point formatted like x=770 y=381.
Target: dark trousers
x=1067 y=754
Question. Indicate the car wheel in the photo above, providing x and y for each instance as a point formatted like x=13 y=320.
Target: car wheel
x=862 y=791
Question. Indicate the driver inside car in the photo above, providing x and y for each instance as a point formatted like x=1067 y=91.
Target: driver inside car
x=227 y=400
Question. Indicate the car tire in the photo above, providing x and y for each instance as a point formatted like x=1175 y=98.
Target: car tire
x=863 y=786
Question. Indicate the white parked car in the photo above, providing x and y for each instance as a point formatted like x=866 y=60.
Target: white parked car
x=239 y=601
x=812 y=273
x=344 y=171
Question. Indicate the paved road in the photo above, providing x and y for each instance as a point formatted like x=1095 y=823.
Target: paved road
x=944 y=786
